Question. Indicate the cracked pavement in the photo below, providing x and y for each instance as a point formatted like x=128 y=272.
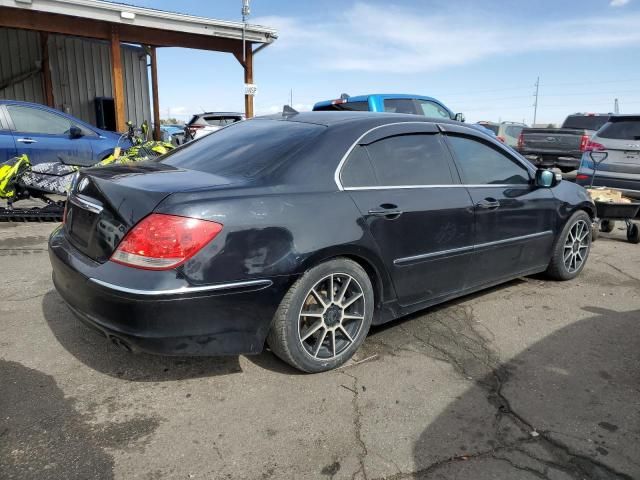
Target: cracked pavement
x=529 y=380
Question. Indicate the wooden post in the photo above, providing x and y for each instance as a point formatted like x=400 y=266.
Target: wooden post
x=47 y=86
x=248 y=78
x=118 y=82
x=154 y=92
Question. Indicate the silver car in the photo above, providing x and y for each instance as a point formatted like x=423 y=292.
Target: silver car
x=620 y=139
x=506 y=132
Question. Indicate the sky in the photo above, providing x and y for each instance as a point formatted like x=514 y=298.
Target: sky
x=481 y=58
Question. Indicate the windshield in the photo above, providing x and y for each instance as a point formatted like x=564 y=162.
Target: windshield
x=243 y=149
x=587 y=122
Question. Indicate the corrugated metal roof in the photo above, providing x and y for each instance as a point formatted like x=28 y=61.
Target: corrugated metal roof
x=148 y=17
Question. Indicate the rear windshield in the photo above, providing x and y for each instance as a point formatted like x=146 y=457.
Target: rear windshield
x=621 y=130
x=350 y=106
x=243 y=149
x=587 y=122
x=221 y=121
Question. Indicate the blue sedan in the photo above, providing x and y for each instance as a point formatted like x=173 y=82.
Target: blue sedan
x=46 y=135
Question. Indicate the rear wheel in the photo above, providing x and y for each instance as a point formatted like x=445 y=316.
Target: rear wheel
x=572 y=247
x=324 y=317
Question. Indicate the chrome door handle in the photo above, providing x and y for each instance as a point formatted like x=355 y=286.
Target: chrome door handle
x=488 y=204
x=386 y=210
x=26 y=140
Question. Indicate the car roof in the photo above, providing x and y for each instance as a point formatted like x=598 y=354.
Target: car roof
x=330 y=118
x=365 y=98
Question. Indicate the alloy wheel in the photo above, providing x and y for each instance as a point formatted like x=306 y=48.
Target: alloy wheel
x=576 y=246
x=331 y=316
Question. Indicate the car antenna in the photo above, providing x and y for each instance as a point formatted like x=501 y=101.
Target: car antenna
x=287 y=110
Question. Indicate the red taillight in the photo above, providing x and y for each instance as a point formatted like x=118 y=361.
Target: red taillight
x=582 y=176
x=583 y=142
x=339 y=101
x=520 y=141
x=162 y=242
x=594 y=147
x=501 y=138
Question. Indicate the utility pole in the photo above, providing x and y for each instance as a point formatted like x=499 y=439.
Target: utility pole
x=291 y=98
x=616 y=107
x=535 y=105
x=246 y=11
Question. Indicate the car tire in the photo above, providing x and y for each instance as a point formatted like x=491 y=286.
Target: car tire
x=315 y=330
x=607 y=226
x=571 y=248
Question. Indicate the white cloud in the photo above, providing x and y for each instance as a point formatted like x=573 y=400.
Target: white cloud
x=618 y=3
x=392 y=39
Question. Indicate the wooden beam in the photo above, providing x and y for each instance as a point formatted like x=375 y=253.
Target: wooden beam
x=118 y=81
x=248 y=78
x=47 y=85
x=154 y=91
x=81 y=27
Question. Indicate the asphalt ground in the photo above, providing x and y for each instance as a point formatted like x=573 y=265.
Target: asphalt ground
x=530 y=380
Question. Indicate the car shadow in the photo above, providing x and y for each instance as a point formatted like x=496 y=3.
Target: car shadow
x=563 y=408
x=93 y=350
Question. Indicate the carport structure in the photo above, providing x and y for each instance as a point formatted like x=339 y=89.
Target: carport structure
x=119 y=23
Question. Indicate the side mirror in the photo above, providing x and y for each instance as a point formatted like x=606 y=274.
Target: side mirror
x=75 y=132
x=459 y=117
x=547 y=178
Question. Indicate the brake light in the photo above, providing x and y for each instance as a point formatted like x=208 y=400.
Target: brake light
x=583 y=142
x=582 y=176
x=501 y=138
x=339 y=101
x=520 y=141
x=162 y=242
x=594 y=147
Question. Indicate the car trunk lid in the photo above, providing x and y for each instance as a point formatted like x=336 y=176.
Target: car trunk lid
x=552 y=140
x=106 y=202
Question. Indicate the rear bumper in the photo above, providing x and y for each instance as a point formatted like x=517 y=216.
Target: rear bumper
x=223 y=319
x=553 y=160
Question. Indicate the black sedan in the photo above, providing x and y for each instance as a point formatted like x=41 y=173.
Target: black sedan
x=302 y=230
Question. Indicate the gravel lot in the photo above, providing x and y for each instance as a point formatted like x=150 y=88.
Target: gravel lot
x=530 y=380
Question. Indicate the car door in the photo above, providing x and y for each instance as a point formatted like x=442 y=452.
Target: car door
x=514 y=219
x=403 y=182
x=7 y=144
x=44 y=136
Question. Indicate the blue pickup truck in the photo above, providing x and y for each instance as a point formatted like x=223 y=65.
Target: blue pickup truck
x=45 y=134
x=390 y=103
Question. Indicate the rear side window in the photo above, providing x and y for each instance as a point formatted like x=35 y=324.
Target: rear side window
x=621 y=130
x=415 y=159
x=244 y=149
x=348 y=106
x=358 y=171
x=481 y=164
x=587 y=122
x=400 y=105
x=34 y=120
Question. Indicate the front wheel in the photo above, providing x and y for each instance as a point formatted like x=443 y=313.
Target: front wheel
x=324 y=317
x=572 y=247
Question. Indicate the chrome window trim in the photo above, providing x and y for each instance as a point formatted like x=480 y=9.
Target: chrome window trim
x=336 y=175
x=84 y=204
x=183 y=290
x=424 y=256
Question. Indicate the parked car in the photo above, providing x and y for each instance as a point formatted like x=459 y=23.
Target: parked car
x=45 y=134
x=507 y=132
x=390 y=103
x=203 y=124
x=561 y=147
x=173 y=134
x=620 y=139
x=304 y=229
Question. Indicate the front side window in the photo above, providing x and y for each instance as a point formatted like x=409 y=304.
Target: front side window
x=415 y=159
x=34 y=120
x=481 y=164
x=432 y=109
x=399 y=105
